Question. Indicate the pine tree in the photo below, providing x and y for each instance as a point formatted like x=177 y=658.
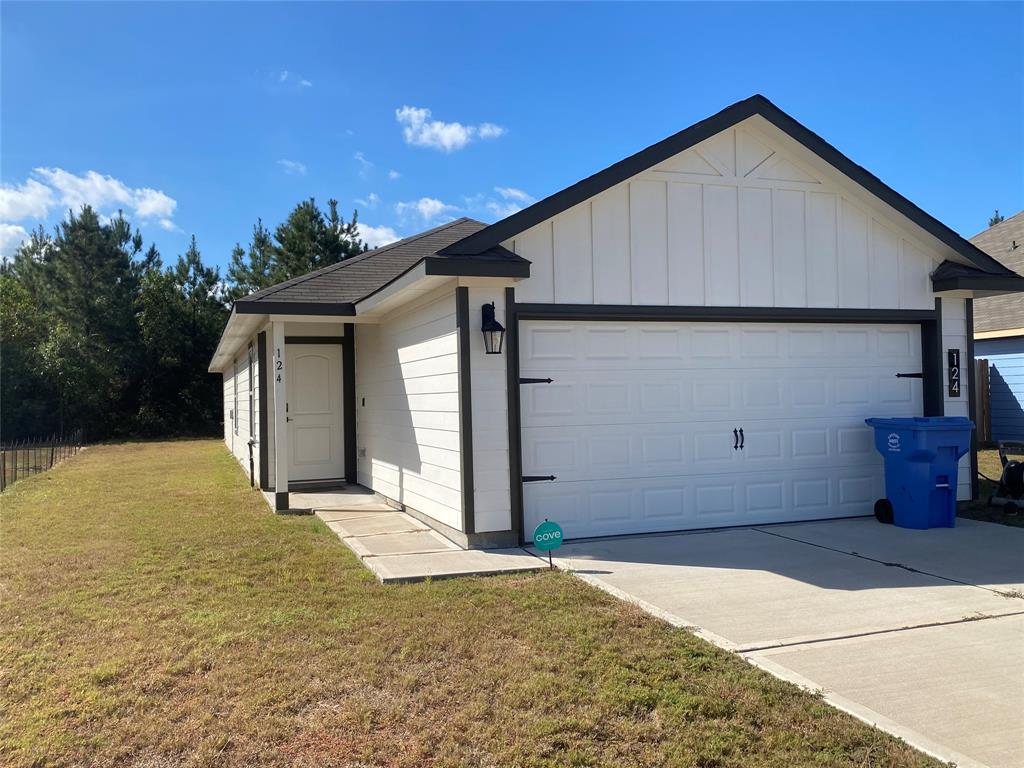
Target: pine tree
x=309 y=240
x=996 y=218
x=249 y=272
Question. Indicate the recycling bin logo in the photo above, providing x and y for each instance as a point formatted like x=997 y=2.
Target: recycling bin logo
x=894 y=441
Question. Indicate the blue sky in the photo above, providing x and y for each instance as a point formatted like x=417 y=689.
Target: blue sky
x=199 y=118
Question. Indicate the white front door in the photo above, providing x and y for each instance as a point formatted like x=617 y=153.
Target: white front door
x=669 y=426
x=314 y=414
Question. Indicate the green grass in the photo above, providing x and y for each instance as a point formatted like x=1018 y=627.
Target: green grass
x=155 y=613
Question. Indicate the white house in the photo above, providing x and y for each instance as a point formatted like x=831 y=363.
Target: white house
x=694 y=337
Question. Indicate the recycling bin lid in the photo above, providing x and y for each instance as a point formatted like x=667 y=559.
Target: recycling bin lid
x=921 y=422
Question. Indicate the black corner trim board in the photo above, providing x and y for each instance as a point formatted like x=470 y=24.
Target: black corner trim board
x=264 y=430
x=696 y=133
x=972 y=402
x=930 y=321
x=348 y=396
x=515 y=431
x=465 y=410
x=931 y=363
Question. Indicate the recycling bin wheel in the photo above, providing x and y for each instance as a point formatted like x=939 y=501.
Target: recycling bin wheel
x=884 y=511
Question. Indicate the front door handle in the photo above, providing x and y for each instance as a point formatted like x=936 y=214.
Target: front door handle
x=287 y=418
x=735 y=440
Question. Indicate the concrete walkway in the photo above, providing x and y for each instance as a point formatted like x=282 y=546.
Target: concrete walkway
x=918 y=632
x=398 y=548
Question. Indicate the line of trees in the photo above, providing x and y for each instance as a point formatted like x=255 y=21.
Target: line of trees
x=96 y=333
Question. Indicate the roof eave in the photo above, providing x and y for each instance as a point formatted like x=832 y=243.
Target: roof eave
x=593 y=185
x=295 y=308
x=469 y=267
x=994 y=284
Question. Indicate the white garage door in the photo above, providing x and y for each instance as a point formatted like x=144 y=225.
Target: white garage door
x=638 y=422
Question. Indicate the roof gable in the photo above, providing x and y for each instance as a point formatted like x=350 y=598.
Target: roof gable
x=711 y=162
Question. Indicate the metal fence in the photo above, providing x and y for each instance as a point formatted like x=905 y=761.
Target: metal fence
x=34 y=455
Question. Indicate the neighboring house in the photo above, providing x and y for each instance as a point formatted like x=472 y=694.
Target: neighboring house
x=999 y=331
x=694 y=338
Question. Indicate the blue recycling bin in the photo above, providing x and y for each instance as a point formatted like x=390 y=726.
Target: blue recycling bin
x=921 y=455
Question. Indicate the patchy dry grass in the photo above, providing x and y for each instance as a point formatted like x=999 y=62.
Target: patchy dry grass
x=155 y=614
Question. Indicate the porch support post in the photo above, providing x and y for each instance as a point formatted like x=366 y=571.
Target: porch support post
x=278 y=373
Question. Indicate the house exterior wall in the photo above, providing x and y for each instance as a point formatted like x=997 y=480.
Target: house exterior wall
x=740 y=220
x=492 y=505
x=734 y=221
x=954 y=336
x=407 y=407
x=1006 y=385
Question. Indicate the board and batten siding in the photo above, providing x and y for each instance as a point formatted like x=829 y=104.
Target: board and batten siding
x=734 y=221
x=407 y=407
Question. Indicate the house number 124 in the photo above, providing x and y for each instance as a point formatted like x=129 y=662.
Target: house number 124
x=953 y=357
x=279 y=366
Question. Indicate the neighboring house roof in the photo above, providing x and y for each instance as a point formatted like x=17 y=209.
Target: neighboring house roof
x=551 y=206
x=334 y=290
x=1005 y=243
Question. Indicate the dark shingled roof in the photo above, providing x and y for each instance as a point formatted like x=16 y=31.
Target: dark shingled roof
x=999 y=313
x=341 y=285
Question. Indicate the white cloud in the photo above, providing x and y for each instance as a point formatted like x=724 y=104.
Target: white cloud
x=170 y=226
x=393 y=174
x=288 y=79
x=31 y=200
x=365 y=166
x=55 y=186
x=11 y=236
x=420 y=131
x=293 y=167
x=370 y=201
x=513 y=200
x=376 y=236
x=427 y=208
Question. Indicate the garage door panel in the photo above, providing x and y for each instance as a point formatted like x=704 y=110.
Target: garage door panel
x=638 y=423
x=625 y=451
x=627 y=397
x=606 y=508
x=652 y=346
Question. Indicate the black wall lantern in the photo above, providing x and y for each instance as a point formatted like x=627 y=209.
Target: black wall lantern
x=494 y=332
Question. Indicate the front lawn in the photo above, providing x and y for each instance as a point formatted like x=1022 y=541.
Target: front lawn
x=155 y=613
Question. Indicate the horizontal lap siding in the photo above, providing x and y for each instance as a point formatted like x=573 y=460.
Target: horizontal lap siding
x=954 y=336
x=1006 y=385
x=731 y=222
x=407 y=408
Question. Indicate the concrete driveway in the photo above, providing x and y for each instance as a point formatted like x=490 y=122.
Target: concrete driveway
x=918 y=632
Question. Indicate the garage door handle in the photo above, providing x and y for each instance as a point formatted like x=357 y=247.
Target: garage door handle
x=537 y=478
x=535 y=381
x=735 y=440
x=909 y=375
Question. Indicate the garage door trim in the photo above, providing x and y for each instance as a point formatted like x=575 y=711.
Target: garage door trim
x=930 y=321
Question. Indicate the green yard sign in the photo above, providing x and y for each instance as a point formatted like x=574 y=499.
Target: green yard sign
x=547 y=536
